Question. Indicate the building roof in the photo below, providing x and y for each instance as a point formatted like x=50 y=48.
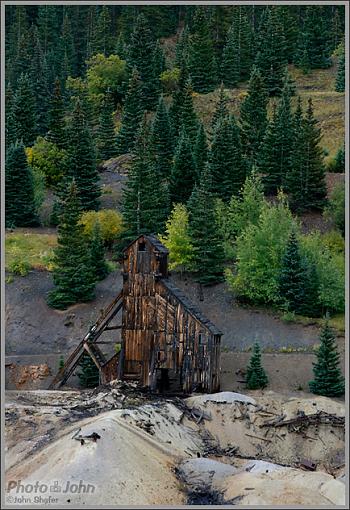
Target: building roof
x=190 y=307
x=153 y=240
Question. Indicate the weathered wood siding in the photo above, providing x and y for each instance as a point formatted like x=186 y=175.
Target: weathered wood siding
x=158 y=328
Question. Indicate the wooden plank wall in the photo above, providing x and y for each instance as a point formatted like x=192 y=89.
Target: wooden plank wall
x=159 y=332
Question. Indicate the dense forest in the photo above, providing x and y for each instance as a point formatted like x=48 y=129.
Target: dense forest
x=88 y=83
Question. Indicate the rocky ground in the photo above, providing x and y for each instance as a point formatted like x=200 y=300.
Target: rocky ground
x=137 y=449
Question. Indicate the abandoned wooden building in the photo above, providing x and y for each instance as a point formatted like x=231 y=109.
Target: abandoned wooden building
x=166 y=343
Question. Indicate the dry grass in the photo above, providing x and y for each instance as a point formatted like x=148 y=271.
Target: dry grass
x=329 y=106
x=25 y=251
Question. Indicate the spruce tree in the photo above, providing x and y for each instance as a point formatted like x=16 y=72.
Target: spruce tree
x=227 y=165
x=298 y=283
x=275 y=160
x=132 y=115
x=221 y=109
x=328 y=380
x=67 y=49
x=97 y=253
x=89 y=375
x=57 y=133
x=82 y=161
x=39 y=82
x=24 y=111
x=188 y=116
x=340 y=80
x=268 y=156
x=141 y=55
x=158 y=66
x=162 y=143
x=208 y=254
x=230 y=69
x=178 y=99
x=256 y=376
x=202 y=65
x=253 y=116
x=106 y=140
x=10 y=126
x=19 y=199
x=145 y=202
x=200 y=151
x=315 y=194
x=184 y=172
x=102 y=42
x=313 y=43
x=182 y=48
x=271 y=56
x=73 y=274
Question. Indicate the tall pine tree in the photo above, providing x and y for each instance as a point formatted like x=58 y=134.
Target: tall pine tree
x=145 y=202
x=340 y=80
x=82 y=161
x=106 y=140
x=132 y=115
x=184 y=171
x=253 y=116
x=188 y=116
x=73 y=274
x=256 y=376
x=24 y=111
x=141 y=56
x=20 y=208
x=328 y=380
x=162 y=143
x=200 y=151
x=202 y=66
x=97 y=253
x=208 y=254
x=227 y=165
x=57 y=132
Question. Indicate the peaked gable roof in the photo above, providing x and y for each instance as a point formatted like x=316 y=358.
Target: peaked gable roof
x=153 y=240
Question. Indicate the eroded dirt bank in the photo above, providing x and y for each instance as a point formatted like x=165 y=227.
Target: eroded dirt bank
x=136 y=448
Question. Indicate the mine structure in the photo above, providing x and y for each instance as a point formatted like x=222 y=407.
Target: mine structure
x=166 y=344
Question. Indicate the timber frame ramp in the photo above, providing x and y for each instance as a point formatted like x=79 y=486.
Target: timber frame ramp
x=89 y=344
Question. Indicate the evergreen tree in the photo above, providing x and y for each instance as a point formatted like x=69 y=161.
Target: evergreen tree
x=188 y=116
x=230 y=69
x=38 y=79
x=253 y=116
x=102 y=42
x=178 y=99
x=290 y=31
x=10 y=127
x=268 y=156
x=256 y=376
x=271 y=57
x=276 y=150
x=141 y=56
x=296 y=289
x=328 y=380
x=158 y=66
x=106 y=140
x=202 y=66
x=200 y=152
x=132 y=115
x=295 y=178
x=67 y=49
x=221 y=109
x=182 y=48
x=19 y=199
x=56 y=124
x=24 y=111
x=82 y=161
x=145 y=198
x=313 y=42
x=227 y=166
x=315 y=188
x=162 y=143
x=340 y=160
x=184 y=171
x=73 y=274
x=208 y=254
x=89 y=376
x=340 y=80
x=97 y=253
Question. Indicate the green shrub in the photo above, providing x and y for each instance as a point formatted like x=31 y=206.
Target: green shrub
x=335 y=211
x=20 y=267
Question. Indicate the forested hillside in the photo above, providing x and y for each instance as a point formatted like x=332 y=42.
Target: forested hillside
x=229 y=136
